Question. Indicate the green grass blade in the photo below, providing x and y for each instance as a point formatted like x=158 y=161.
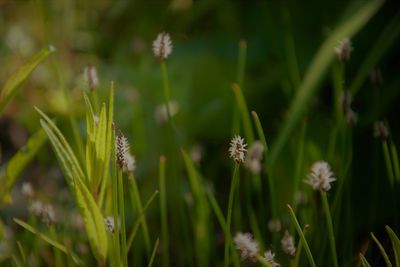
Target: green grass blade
x=317 y=70
x=382 y=44
x=11 y=171
x=244 y=111
x=153 y=254
x=395 y=244
x=48 y=240
x=163 y=214
x=364 y=261
x=395 y=161
x=302 y=237
x=12 y=85
x=382 y=250
x=138 y=220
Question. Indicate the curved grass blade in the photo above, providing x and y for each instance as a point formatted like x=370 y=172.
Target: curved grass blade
x=12 y=85
x=11 y=171
x=382 y=250
x=395 y=244
x=364 y=261
x=49 y=240
x=316 y=72
x=153 y=255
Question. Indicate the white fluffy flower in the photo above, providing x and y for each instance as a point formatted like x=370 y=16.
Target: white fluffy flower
x=121 y=150
x=161 y=112
x=270 y=258
x=162 y=46
x=320 y=176
x=254 y=158
x=130 y=164
x=288 y=245
x=380 y=130
x=27 y=189
x=343 y=50
x=36 y=208
x=237 y=149
x=247 y=246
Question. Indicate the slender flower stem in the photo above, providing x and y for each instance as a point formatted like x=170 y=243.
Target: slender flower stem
x=295 y=262
x=137 y=202
x=302 y=237
x=114 y=185
x=163 y=214
x=388 y=162
x=122 y=215
x=263 y=261
x=164 y=75
x=235 y=181
x=330 y=227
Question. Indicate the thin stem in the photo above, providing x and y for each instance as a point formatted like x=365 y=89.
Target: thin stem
x=163 y=214
x=302 y=237
x=122 y=215
x=153 y=254
x=382 y=250
x=114 y=185
x=263 y=261
x=164 y=75
x=299 y=249
x=330 y=227
x=235 y=180
x=137 y=201
x=388 y=162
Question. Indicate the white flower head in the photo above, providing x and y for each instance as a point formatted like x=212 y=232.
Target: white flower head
x=237 y=149
x=162 y=46
x=351 y=117
x=90 y=77
x=109 y=223
x=130 y=164
x=254 y=157
x=288 y=245
x=27 y=189
x=36 y=208
x=343 y=50
x=48 y=215
x=270 y=258
x=247 y=246
x=161 y=111
x=121 y=150
x=380 y=130
x=320 y=176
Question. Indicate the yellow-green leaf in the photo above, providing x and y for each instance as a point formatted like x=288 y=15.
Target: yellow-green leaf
x=11 y=171
x=17 y=79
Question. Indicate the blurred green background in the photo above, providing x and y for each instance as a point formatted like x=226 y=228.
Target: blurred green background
x=116 y=37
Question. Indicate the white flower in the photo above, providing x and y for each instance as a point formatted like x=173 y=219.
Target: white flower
x=254 y=158
x=36 y=208
x=351 y=117
x=162 y=46
x=247 y=246
x=130 y=164
x=288 y=245
x=90 y=77
x=320 y=176
x=48 y=214
x=270 y=258
x=237 y=149
x=27 y=189
x=343 y=50
x=109 y=223
x=161 y=112
x=380 y=130
x=121 y=150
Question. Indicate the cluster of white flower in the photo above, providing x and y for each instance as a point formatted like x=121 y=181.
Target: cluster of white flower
x=380 y=130
x=343 y=50
x=162 y=46
x=125 y=160
x=237 y=149
x=320 y=176
x=90 y=77
x=109 y=223
x=44 y=211
x=254 y=157
x=270 y=258
x=288 y=245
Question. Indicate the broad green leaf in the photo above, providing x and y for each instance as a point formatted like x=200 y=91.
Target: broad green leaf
x=91 y=214
x=11 y=171
x=395 y=244
x=48 y=240
x=100 y=142
x=316 y=71
x=17 y=79
x=382 y=250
